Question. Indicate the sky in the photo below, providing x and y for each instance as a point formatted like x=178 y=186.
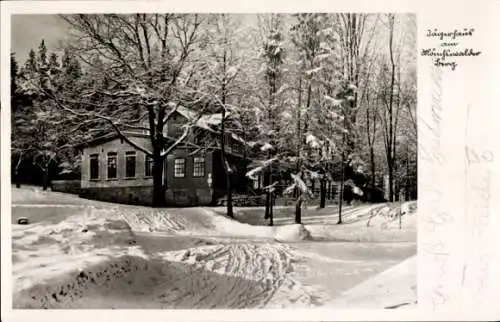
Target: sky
x=28 y=31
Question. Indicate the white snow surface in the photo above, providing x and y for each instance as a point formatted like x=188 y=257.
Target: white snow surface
x=394 y=288
x=220 y=263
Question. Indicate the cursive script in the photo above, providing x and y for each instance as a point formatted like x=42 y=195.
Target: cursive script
x=441 y=35
x=431 y=130
x=445 y=53
x=477 y=211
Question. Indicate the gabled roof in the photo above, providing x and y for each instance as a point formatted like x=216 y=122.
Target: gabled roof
x=206 y=122
x=187 y=113
x=108 y=137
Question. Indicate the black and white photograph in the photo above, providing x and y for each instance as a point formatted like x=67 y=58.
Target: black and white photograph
x=214 y=160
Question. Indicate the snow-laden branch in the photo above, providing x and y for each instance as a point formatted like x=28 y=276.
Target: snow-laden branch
x=98 y=116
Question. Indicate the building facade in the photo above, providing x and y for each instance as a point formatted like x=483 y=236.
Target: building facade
x=113 y=170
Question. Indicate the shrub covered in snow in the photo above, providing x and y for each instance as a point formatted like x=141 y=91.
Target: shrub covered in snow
x=291 y=233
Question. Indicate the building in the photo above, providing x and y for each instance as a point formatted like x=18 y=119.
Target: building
x=113 y=170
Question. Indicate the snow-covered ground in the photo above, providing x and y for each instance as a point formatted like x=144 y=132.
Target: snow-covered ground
x=89 y=254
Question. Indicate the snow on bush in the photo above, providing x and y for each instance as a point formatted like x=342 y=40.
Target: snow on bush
x=409 y=208
x=291 y=233
x=388 y=217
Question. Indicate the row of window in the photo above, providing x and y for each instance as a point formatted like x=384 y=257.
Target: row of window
x=198 y=167
x=130 y=166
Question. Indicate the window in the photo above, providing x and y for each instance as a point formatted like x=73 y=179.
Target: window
x=112 y=160
x=94 y=166
x=148 y=166
x=176 y=127
x=179 y=168
x=236 y=146
x=178 y=130
x=199 y=167
x=130 y=164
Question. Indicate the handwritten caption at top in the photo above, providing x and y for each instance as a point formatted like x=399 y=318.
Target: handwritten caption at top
x=444 y=55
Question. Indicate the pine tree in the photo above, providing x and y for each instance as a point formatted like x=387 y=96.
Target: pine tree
x=14 y=74
x=15 y=101
x=43 y=67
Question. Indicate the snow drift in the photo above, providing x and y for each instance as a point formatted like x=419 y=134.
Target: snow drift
x=130 y=282
x=394 y=288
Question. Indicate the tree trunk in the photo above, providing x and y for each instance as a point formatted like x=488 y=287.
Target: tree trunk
x=227 y=170
x=391 y=182
x=269 y=193
x=268 y=206
x=269 y=197
x=322 y=201
x=46 y=179
x=392 y=142
x=341 y=191
x=298 y=210
x=158 y=187
x=407 y=179
x=17 y=179
x=229 y=195
x=271 y=220
x=229 y=190
x=298 y=213
x=372 y=163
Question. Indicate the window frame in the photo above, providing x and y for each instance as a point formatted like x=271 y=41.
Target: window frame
x=109 y=156
x=94 y=156
x=175 y=126
x=130 y=154
x=177 y=175
x=203 y=167
x=148 y=160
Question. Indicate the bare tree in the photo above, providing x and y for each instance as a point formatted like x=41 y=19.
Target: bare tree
x=225 y=64
x=140 y=69
x=390 y=114
x=351 y=29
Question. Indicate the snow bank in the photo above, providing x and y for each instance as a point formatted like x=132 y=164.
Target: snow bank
x=291 y=233
x=394 y=288
x=229 y=227
x=42 y=251
x=219 y=276
x=224 y=226
x=380 y=229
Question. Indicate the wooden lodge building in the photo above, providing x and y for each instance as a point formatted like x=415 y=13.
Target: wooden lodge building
x=113 y=170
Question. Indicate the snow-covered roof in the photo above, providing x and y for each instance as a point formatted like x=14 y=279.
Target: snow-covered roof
x=187 y=113
x=210 y=120
x=206 y=122
x=108 y=137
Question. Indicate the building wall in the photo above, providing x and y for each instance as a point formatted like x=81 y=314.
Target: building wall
x=136 y=190
x=189 y=190
x=66 y=186
x=120 y=147
x=141 y=195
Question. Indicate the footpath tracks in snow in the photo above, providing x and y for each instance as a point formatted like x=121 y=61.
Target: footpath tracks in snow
x=242 y=268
